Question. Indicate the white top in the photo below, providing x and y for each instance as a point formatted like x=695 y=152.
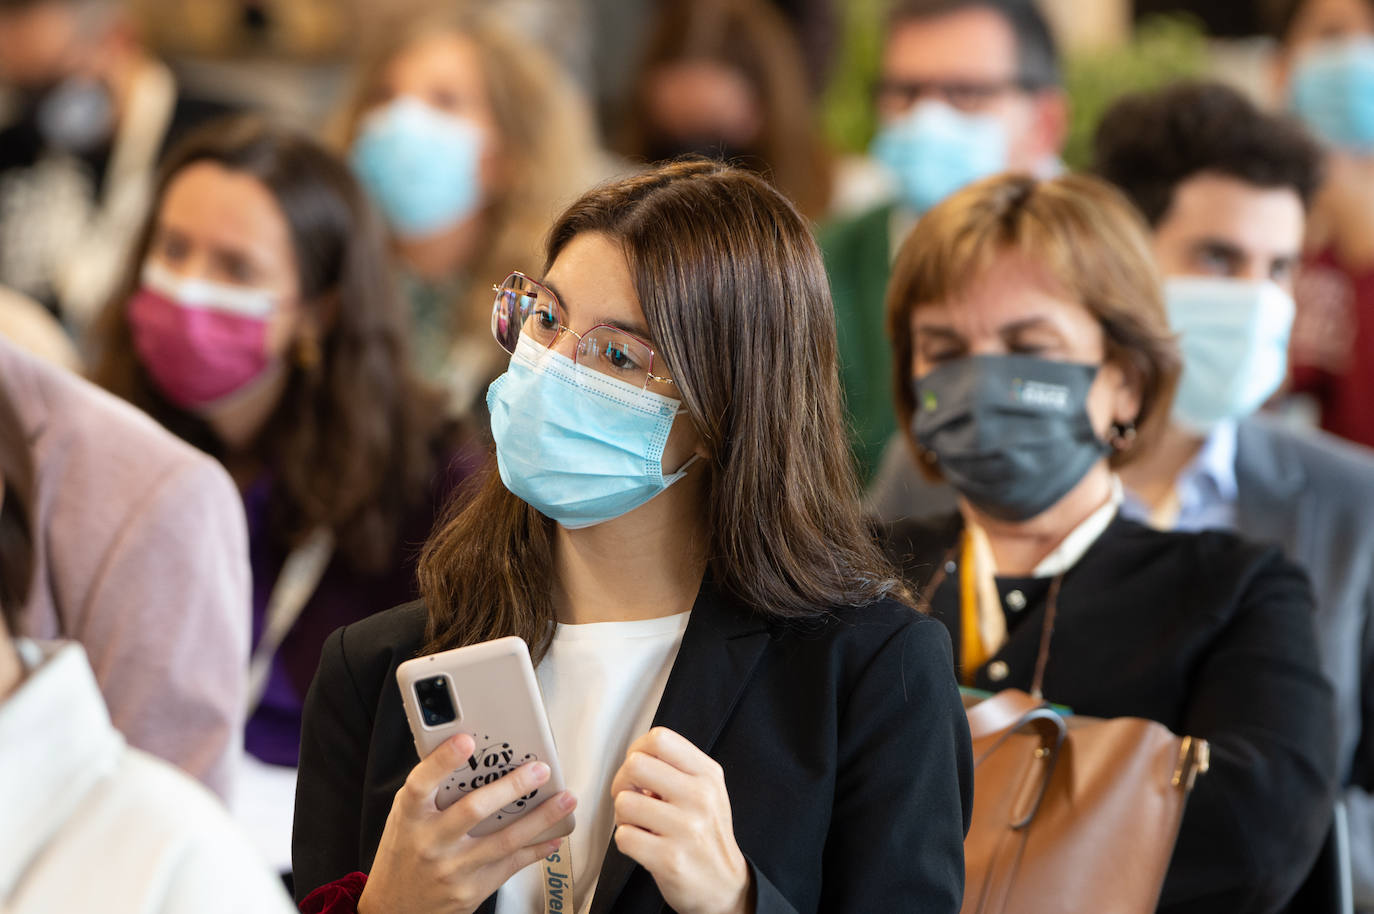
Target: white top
x=602 y=683
x=90 y=824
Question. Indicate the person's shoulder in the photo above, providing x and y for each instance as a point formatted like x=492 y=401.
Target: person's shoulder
x=857 y=634
x=1135 y=539
x=64 y=410
x=1331 y=468
x=158 y=818
x=1212 y=567
x=367 y=649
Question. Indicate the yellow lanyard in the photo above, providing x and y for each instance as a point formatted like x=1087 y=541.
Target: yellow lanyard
x=972 y=651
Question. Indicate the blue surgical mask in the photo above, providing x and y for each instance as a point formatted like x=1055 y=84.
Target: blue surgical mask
x=1332 y=91
x=578 y=446
x=1234 y=337
x=934 y=150
x=420 y=165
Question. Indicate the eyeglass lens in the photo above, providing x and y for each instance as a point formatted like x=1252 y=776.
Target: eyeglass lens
x=523 y=307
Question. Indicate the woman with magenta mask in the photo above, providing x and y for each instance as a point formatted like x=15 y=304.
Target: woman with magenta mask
x=257 y=322
x=748 y=716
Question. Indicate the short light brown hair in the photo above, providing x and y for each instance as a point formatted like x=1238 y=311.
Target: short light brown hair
x=1086 y=236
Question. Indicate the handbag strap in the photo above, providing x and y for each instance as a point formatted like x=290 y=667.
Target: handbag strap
x=999 y=712
x=1042 y=658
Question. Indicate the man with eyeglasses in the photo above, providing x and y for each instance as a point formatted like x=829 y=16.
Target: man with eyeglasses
x=968 y=88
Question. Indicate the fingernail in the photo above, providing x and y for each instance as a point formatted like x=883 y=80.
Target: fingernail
x=566 y=800
x=539 y=771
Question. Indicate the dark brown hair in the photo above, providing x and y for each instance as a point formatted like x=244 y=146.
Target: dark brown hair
x=1037 y=55
x=1150 y=142
x=752 y=38
x=16 y=559
x=351 y=444
x=1085 y=235
x=736 y=298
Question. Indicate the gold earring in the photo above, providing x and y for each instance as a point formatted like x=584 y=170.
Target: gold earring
x=308 y=354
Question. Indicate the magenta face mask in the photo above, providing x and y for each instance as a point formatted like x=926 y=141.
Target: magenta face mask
x=199 y=340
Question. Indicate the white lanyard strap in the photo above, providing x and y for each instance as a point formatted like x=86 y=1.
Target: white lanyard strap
x=300 y=575
x=556 y=874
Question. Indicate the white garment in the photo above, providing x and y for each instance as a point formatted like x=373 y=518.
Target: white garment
x=1080 y=538
x=602 y=683
x=89 y=824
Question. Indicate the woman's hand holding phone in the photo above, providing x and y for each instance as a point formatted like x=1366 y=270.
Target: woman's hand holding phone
x=672 y=816
x=426 y=861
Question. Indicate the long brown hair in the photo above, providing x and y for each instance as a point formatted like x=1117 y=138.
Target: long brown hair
x=755 y=40
x=735 y=295
x=351 y=444
x=1086 y=236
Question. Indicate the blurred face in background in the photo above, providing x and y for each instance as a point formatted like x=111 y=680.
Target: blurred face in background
x=968 y=61
x=1325 y=73
x=953 y=107
x=428 y=145
x=70 y=63
x=219 y=307
x=41 y=45
x=703 y=106
x=1223 y=227
x=1229 y=251
x=1325 y=20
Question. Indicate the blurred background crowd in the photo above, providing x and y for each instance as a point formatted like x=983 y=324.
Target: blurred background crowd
x=336 y=185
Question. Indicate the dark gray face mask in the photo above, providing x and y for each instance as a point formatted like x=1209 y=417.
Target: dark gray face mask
x=1010 y=432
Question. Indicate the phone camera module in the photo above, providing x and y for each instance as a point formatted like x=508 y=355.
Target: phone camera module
x=436 y=702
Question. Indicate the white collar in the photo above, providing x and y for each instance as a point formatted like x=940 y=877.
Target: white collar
x=56 y=743
x=1072 y=547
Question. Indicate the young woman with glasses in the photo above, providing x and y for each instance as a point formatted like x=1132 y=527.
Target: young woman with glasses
x=748 y=715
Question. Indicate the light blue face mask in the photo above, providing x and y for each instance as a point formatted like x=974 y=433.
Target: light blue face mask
x=578 y=446
x=1332 y=91
x=1234 y=337
x=934 y=150
x=419 y=164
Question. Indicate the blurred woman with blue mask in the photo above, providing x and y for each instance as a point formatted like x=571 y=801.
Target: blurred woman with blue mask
x=468 y=140
x=1326 y=78
x=1033 y=357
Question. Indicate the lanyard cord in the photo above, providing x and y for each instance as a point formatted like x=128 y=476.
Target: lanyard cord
x=557 y=878
x=1046 y=632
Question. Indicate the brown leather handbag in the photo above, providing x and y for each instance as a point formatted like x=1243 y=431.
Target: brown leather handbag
x=1071 y=813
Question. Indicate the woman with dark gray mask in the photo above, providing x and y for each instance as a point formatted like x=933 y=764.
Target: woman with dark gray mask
x=1033 y=357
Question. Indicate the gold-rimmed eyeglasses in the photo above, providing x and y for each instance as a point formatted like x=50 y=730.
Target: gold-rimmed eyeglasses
x=526 y=307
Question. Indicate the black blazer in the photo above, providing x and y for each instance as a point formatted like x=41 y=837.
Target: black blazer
x=1210 y=636
x=844 y=743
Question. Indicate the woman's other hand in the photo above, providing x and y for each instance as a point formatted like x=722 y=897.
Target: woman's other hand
x=672 y=816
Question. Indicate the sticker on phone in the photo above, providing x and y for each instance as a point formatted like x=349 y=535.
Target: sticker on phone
x=488 y=764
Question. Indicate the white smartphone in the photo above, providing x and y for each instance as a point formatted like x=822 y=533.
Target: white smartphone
x=489 y=691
